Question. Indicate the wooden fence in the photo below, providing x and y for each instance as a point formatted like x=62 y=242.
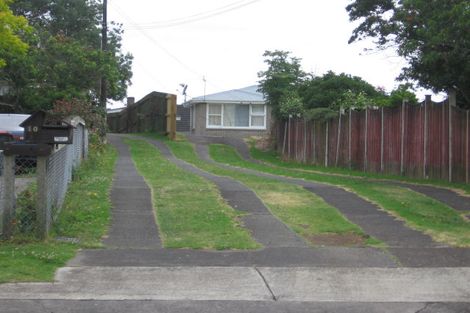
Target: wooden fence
x=430 y=140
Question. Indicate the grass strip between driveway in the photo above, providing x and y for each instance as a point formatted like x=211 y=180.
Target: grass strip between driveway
x=430 y=216
x=84 y=219
x=190 y=211
x=305 y=213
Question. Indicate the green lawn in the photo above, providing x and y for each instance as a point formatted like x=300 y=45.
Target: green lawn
x=418 y=211
x=190 y=211
x=84 y=217
x=305 y=213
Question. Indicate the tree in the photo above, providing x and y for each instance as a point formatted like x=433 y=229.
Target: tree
x=11 y=29
x=432 y=35
x=66 y=61
x=282 y=79
x=327 y=91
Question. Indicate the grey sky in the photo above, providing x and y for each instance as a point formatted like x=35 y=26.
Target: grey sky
x=182 y=41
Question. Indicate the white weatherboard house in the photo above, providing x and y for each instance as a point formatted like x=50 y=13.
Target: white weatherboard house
x=234 y=113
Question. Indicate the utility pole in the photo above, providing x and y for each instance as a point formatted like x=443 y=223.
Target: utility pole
x=104 y=48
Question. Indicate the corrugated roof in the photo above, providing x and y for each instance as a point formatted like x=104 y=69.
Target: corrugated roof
x=247 y=94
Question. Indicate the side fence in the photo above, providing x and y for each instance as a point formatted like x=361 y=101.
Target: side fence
x=428 y=141
x=31 y=201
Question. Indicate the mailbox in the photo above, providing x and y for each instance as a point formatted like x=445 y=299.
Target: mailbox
x=37 y=132
x=27 y=149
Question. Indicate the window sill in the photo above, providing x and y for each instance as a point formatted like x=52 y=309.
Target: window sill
x=235 y=128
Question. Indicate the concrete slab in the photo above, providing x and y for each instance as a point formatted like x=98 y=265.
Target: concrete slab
x=149 y=283
x=369 y=284
x=433 y=257
x=269 y=257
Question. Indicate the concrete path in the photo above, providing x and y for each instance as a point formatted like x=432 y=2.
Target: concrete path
x=366 y=215
x=133 y=239
x=133 y=223
x=447 y=196
x=264 y=227
x=250 y=284
x=331 y=257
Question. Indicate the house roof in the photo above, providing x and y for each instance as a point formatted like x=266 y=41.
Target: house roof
x=248 y=94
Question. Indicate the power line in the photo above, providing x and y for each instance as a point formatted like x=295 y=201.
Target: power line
x=165 y=50
x=197 y=17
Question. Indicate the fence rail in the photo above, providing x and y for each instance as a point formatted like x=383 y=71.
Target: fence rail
x=430 y=141
x=32 y=199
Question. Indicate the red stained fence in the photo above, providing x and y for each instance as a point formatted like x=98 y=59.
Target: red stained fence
x=430 y=140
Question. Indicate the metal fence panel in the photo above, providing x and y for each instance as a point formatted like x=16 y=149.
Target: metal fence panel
x=39 y=186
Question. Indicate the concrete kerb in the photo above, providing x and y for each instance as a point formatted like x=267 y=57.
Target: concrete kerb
x=251 y=284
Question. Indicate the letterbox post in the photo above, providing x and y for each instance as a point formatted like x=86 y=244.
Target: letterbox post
x=43 y=212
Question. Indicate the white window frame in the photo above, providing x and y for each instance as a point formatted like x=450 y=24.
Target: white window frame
x=250 y=127
x=221 y=114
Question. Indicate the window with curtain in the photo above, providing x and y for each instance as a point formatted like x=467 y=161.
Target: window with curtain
x=234 y=115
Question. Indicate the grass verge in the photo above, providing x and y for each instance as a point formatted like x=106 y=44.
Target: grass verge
x=84 y=217
x=305 y=213
x=442 y=223
x=190 y=212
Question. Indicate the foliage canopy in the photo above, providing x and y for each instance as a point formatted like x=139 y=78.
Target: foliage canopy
x=65 y=61
x=11 y=28
x=432 y=35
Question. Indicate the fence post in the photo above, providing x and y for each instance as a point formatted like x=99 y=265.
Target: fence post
x=349 y=139
x=466 y=150
x=305 y=140
x=382 y=141
x=326 y=144
x=288 y=139
x=338 y=138
x=171 y=116
x=314 y=143
x=284 y=140
x=452 y=102
x=402 y=140
x=425 y=145
x=43 y=212
x=366 y=135
x=9 y=197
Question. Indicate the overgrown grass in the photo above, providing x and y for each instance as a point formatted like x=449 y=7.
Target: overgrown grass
x=273 y=158
x=304 y=212
x=190 y=212
x=84 y=217
x=442 y=223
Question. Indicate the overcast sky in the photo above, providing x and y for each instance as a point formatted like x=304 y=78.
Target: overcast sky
x=183 y=41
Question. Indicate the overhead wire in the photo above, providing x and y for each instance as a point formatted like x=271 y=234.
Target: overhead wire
x=165 y=50
x=199 y=16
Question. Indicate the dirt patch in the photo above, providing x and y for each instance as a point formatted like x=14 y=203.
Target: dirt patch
x=348 y=239
x=263 y=143
x=286 y=199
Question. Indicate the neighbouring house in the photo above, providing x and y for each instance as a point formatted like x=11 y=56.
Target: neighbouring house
x=234 y=113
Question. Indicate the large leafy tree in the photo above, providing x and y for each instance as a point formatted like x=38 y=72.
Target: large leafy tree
x=327 y=91
x=432 y=35
x=66 y=61
x=281 y=81
x=11 y=29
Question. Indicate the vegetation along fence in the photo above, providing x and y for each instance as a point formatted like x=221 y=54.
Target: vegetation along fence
x=32 y=189
x=430 y=141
